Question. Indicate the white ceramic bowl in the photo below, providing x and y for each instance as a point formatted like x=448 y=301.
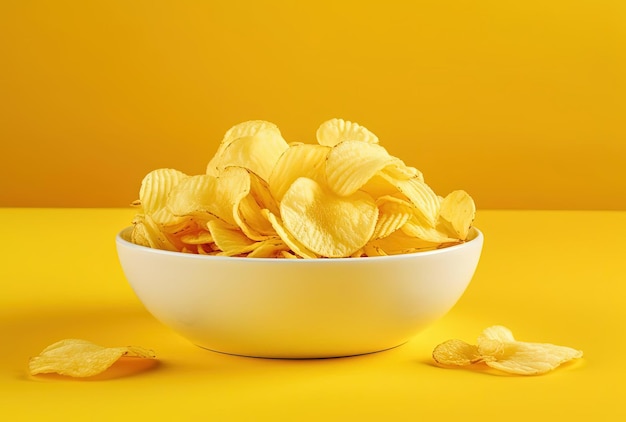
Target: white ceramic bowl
x=283 y=308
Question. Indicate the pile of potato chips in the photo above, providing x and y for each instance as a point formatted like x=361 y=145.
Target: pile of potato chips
x=344 y=196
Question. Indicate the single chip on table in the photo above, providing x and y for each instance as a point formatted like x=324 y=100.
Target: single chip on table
x=81 y=358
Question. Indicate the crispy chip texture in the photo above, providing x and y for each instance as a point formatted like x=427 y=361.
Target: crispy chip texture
x=498 y=349
x=81 y=358
x=344 y=196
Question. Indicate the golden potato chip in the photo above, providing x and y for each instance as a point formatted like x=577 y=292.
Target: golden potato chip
x=207 y=197
x=498 y=349
x=335 y=131
x=393 y=213
x=299 y=160
x=247 y=129
x=458 y=209
x=399 y=242
x=294 y=244
x=351 y=164
x=258 y=153
x=156 y=186
x=248 y=213
x=81 y=358
x=270 y=248
x=416 y=227
x=330 y=225
x=198 y=238
x=426 y=202
x=523 y=358
x=230 y=240
x=456 y=352
x=148 y=233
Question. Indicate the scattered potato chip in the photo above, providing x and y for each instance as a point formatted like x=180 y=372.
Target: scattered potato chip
x=81 y=358
x=342 y=197
x=498 y=349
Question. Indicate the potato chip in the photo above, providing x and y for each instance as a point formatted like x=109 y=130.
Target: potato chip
x=155 y=188
x=393 y=213
x=335 y=131
x=458 y=209
x=198 y=238
x=230 y=240
x=248 y=215
x=498 y=349
x=416 y=227
x=81 y=358
x=350 y=164
x=426 y=202
x=207 y=197
x=270 y=248
x=299 y=160
x=456 y=352
x=247 y=129
x=258 y=153
x=147 y=232
x=399 y=242
x=294 y=244
x=327 y=224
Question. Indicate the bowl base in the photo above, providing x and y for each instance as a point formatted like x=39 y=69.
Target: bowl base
x=304 y=357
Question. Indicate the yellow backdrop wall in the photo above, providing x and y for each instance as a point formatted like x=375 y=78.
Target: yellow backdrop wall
x=521 y=103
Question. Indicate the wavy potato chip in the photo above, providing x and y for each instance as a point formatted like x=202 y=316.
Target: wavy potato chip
x=298 y=249
x=230 y=240
x=299 y=160
x=81 y=358
x=246 y=129
x=498 y=349
x=393 y=214
x=335 y=131
x=328 y=224
x=458 y=209
x=258 y=153
x=351 y=164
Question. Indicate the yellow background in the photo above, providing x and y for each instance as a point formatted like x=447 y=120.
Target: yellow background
x=521 y=103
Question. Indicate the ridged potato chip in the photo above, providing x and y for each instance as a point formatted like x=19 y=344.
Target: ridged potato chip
x=298 y=249
x=230 y=240
x=299 y=160
x=81 y=358
x=258 y=153
x=334 y=131
x=351 y=164
x=459 y=210
x=328 y=224
x=498 y=349
x=393 y=214
x=247 y=129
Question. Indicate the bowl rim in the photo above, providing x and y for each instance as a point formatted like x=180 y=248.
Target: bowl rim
x=121 y=240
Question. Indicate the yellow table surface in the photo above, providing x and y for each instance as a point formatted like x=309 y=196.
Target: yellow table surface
x=550 y=276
